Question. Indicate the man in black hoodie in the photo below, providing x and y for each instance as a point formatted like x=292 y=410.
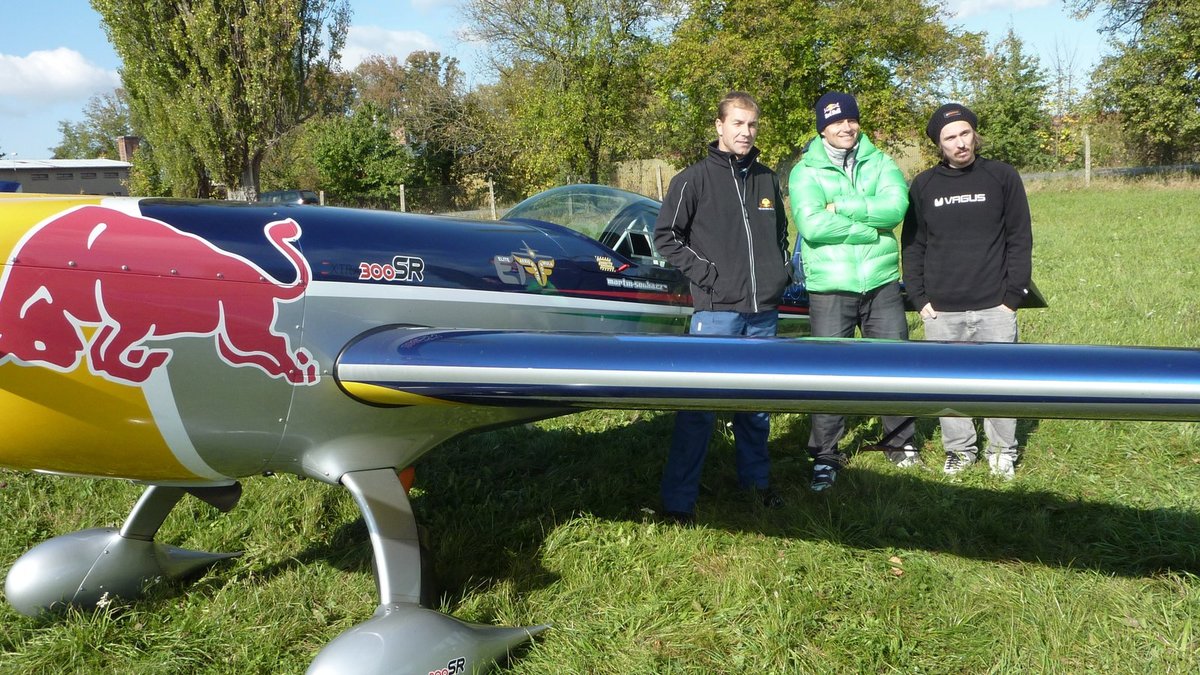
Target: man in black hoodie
x=724 y=226
x=967 y=255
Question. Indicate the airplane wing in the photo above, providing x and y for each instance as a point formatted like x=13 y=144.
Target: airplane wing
x=405 y=366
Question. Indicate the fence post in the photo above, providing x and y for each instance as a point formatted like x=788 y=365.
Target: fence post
x=402 y=209
x=492 y=197
x=1087 y=158
x=658 y=173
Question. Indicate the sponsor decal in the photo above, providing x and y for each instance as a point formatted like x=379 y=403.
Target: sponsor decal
x=832 y=109
x=508 y=271
x=402 y=268
x=456 y=666
x=605 y=264
x=959 y=199
x=519 y=267
x=124 y=271
x=637 y=284
x=765 y=204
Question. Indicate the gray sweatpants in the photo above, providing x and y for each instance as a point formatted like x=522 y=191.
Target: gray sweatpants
x=997 y=324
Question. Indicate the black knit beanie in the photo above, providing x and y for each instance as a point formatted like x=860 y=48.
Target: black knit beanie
x=951 y=112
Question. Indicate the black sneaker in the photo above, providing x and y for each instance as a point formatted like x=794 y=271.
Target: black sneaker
x=770 y=499
x=823 y=477
x=681 y=518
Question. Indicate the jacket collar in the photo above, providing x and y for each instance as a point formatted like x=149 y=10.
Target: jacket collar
x=815 y=154
x=725 y=158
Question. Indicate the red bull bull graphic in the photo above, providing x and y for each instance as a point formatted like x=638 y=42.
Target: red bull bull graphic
x=136 y=282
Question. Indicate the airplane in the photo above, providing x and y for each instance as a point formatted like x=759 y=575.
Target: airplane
x=189 y=345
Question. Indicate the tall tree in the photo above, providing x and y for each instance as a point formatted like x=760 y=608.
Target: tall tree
x=1123 y=15
x=105 y=119
x=583 y=62
x=359 y=159
x=891 y=54
x=146 y=177
x=1153 y=80
x=425 y=99
x=1065 y=105
x=213 y=83
x=1010 y=100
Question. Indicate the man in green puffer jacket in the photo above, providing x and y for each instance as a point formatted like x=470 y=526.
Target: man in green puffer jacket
x=847 y=197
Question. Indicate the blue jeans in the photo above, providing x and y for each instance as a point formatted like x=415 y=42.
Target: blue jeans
x=689 y=446
x=879 y=313
x=995 y=324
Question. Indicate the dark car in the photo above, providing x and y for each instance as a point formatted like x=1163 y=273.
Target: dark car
x=289 y=197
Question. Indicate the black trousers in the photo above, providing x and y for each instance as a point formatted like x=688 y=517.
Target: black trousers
x=878 y=313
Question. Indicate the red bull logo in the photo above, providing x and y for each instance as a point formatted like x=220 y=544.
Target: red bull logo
x=139 y=281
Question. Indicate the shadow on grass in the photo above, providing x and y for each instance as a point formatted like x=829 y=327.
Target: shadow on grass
x=489 y=501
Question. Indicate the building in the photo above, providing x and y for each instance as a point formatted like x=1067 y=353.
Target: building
x=68 y=176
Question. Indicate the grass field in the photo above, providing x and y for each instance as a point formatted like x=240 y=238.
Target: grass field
x=1087 y=562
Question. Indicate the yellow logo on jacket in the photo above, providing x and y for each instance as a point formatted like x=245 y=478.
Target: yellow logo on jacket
x=765 y=204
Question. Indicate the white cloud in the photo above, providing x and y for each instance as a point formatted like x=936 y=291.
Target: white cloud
x=51 y=77
x=365 y=41
x=961 y=9
x=427 y=5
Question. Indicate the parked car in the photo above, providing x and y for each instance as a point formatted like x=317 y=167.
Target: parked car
x=290 y=197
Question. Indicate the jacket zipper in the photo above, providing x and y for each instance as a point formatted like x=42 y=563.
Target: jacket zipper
x=741 y=193
x=853 y=178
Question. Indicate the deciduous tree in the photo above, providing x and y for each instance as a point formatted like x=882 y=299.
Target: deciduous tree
x=1010 y=99
x=1126 y=15
x=573 y=76
x=893 y=55
x=358 y=158
x=1153 y=80
x=425 y=100
x=213 y=83
x=105 y=119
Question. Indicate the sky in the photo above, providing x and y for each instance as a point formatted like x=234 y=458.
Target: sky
x=55 y=55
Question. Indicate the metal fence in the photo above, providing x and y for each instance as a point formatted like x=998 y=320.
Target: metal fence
x=649 y=178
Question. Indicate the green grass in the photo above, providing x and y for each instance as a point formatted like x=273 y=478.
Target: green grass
x=1087 y=562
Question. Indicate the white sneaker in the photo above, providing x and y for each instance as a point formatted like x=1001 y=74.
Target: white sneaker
x=956 y=462
x=906 y=458
x=1002 y=466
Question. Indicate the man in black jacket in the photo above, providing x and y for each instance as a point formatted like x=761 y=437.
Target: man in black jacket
x=724 y=226
x=967 y=253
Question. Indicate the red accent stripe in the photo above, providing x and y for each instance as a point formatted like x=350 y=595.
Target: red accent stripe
x=658 y=298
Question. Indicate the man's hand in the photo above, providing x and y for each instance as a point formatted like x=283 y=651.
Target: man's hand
x=927 y=312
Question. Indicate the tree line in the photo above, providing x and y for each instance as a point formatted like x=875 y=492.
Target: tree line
x=234 y=96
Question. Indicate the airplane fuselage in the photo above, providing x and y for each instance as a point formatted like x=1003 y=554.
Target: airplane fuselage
x=195 y=342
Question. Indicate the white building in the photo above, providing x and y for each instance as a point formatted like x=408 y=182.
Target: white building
x=68 y=176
